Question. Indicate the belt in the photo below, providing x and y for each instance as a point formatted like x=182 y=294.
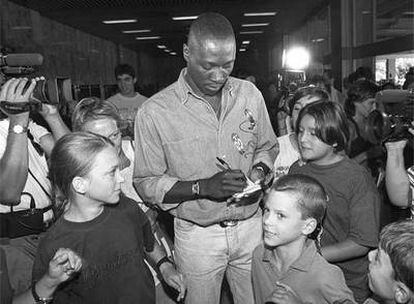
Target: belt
x=228 y=223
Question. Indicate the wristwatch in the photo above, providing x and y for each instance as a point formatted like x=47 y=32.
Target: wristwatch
x=18 y=129
x=195 y=188
x=163 y=260
x=39 y=300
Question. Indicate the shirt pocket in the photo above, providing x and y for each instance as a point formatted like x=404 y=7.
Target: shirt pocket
x=185 y=158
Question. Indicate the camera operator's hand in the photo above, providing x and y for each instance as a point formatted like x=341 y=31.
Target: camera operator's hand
x=223 y=184
x=13 y=91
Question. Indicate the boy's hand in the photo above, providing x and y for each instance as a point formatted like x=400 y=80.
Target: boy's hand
x=283 y=294
x=174 y=279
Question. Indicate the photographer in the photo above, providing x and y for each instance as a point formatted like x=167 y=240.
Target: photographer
x=398 y=183
x=24 y=146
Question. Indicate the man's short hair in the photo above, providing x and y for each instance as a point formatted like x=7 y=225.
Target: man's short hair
x=124 y=68
x=210 y=26
x=397 y=240
x=91 y=109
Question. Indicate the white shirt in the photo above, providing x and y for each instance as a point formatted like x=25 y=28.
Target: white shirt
x=127 y=186
x=37 y=165
x=286 y=157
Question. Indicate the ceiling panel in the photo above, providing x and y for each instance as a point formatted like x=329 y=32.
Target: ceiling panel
x=156 y=16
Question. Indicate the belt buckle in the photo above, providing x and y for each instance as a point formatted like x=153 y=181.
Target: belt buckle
x=228 y=223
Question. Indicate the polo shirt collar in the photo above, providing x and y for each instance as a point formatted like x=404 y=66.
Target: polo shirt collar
x=184 y=89
x=303 y=263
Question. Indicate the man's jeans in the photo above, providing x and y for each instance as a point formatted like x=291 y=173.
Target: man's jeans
x=205 y=254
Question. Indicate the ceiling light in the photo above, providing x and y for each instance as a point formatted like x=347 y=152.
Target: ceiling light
x=242 y=50
x=173 y=53
x=263 y=14
x=120 y=21
x=254 y=24
x=318 y=40
x=148 y=38
x=21 y=28
x=408 y=13
x=251 y=32
x=161 y=46
x=246 y=42
x=136 y=31
x=180 y=18
x=167 y=50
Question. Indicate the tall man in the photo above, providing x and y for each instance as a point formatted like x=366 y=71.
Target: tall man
x=179 y=134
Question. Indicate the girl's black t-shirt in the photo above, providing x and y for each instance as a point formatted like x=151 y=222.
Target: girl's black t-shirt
x=112 y=250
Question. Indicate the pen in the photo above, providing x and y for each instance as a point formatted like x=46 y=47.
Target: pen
x=224 y=163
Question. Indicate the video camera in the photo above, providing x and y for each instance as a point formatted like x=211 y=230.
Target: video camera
x=54 y=91
x=392 y=121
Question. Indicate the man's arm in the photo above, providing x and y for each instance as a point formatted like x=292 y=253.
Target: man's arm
x=343 y=251
x=267 y=147
x=167 y=269
x=57 y=126
x=396 y=178
x=219 y=187
x=15 y=161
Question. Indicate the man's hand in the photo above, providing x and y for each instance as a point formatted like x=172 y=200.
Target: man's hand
x=223 y=184
x=174 y=279
x=283 y=294
x=13 y=91
x=48 y=110
x=257 y=175
x=63 y=265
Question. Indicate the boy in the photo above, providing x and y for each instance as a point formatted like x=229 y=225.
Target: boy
x=287 y=268
x=127 y=100
x=391 y=268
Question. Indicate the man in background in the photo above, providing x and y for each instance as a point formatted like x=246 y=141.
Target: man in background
x=127 y=100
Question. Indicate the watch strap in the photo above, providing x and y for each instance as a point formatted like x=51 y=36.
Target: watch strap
x=163 y=260
x=39 y=300
x=18 y=129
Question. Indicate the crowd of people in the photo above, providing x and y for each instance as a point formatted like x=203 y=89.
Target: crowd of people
x=285 y=212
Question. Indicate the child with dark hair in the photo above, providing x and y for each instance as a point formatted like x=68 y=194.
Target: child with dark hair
x=288 y=268
x=391 y=268
x=352 y=219
x=109 y=232
x=288 y=143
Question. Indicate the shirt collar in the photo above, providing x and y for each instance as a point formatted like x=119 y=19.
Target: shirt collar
x=305 y=260
x=185 y=90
